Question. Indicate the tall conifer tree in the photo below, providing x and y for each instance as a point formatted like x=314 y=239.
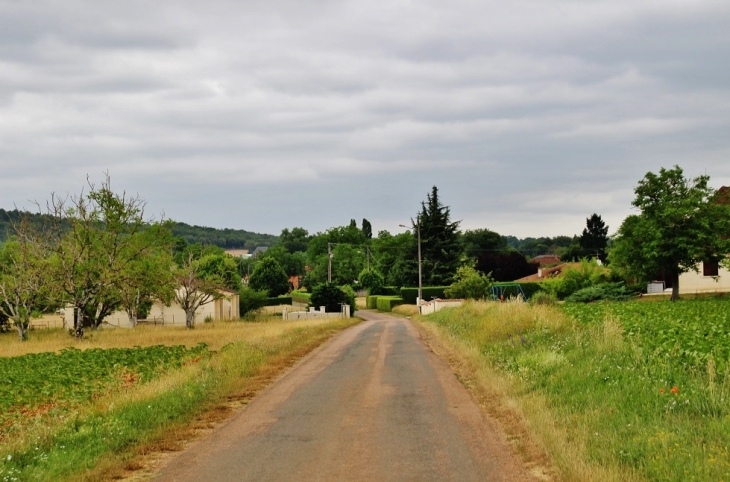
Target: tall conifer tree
x=440 y=244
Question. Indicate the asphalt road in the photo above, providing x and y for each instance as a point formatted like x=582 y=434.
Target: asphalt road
x=373 y=404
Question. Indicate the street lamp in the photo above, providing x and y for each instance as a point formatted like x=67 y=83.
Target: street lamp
x=420 y=276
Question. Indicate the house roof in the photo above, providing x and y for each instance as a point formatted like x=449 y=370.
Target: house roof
x=546 y=273
x=723 y=195
x=259 y=249
x=545 y=259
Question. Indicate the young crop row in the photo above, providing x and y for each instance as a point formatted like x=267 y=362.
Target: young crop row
x=75 y=376
x=693 y=330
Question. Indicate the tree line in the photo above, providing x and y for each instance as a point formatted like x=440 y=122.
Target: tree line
x=224 y=238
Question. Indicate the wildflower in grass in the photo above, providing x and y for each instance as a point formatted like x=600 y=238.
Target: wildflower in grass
x=661 y=390
x=674 y=390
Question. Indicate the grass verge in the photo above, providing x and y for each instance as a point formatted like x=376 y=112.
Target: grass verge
x=594 y=396
x=108 y=438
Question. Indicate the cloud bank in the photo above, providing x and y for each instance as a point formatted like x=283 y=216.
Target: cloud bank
x=528 y=115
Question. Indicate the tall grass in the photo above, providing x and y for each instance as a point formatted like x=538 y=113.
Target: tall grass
x=595 y=399
x=215 y=334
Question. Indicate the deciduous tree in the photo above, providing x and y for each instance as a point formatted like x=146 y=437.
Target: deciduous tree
x=269 y=276
x=195 y=288
x=92 y=259
x=680 y=224
x=24 y=284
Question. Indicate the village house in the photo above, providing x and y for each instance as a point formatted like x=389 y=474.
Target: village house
x=224 y=308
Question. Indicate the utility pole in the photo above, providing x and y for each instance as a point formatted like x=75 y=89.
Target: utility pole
x=329 y=262
x=420 y=274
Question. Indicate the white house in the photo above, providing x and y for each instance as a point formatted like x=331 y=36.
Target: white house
x=712 y=278
x=225 y=308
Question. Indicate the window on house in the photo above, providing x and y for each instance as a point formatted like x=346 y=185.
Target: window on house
x=710 y=268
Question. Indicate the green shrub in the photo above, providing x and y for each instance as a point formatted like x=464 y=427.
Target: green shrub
x=605 y=291
x=409 y=295
x=251 y=301
x=574 y=278
x=387 y=303
x=469 y=284
x=371 y=302
x=543 y=298
x=332 y=297
x=372 y=281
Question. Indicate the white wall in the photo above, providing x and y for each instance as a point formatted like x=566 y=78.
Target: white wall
x=696 y=283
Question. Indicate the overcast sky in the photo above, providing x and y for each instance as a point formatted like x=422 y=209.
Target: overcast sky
x=528 y=115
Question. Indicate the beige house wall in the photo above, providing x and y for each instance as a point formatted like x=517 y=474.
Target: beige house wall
x=222 y=309
x=696 y=283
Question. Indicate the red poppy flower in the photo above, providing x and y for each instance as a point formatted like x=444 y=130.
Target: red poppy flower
x=674 y=390
x=661 y=390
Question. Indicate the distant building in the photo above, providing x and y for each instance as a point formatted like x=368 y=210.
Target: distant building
x=546 y=260
x=259 y=250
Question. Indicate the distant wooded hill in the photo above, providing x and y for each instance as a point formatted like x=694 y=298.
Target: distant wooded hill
x=225 y=238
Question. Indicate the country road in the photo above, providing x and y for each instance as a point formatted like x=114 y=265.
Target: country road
x=373 y=404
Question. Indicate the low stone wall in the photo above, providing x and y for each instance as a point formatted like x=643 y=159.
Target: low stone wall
x=437 y=305
x=313 y=313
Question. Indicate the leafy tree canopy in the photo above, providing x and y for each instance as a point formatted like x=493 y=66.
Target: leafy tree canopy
x=681 y=223
x=470 y=284
x=269 y=276
x=480 y=241
x=222 y=266
x=295 y=240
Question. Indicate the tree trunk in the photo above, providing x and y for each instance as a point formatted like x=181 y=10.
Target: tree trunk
x=190 y=319
x=132 y=314
x=675 y=286
x=22 y=330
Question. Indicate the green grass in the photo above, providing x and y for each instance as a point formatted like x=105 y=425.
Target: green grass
x=642 y=387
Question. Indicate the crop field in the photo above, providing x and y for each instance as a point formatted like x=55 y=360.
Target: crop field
x=614 y=391
x=44 y=381
x=693 y=331
x=90 y=409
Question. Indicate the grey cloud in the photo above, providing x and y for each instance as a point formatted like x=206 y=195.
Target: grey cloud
x=525 y=114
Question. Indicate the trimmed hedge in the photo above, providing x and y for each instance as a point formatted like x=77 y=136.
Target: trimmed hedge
x=409 y=295
x=387 y=303
x=371 y=302
x=530 y=288
x=301 y=296
x=279 y=300
x=389 y=291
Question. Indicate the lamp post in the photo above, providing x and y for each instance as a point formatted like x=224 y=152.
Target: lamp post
x=420 y=275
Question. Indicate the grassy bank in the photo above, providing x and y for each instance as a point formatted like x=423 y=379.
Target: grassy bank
x=618 y=391
x=104 y=436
